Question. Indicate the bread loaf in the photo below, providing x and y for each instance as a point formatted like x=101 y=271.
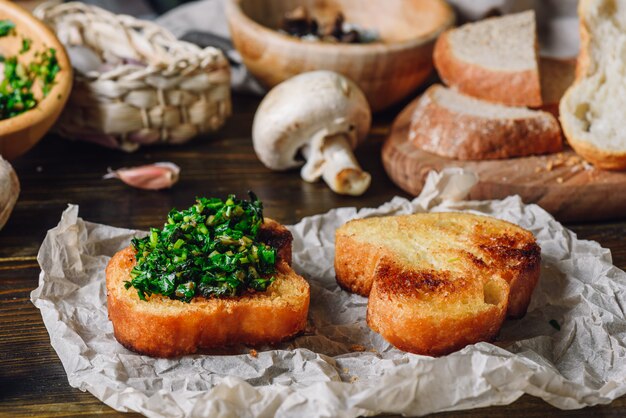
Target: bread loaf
x=593 y=109
x=494 y=59
x=439 y=281
x=456 y=126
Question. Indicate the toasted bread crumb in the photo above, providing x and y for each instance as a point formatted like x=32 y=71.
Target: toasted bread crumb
x=573 y=160
x=353 y=379
x=253 y=353
x=559 y=180
x=357 y=347
x=345 y=370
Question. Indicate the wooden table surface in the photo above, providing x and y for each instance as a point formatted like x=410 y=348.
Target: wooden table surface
x=57 y=172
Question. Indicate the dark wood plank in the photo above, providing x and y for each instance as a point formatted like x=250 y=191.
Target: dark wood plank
x=32 y=379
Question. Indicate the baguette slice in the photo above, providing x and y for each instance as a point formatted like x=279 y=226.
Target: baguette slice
x=556 y=77
x=593 y=109
x=494 y=59
x=453 y=125
x=439 y=281
x=162 y=327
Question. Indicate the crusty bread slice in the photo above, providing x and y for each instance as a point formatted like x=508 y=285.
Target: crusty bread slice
x=454 y=125
x=494 y=59
x=593 y=109
x=439 y=281
x=433 y=312
x=162 y=327
x=556 y=77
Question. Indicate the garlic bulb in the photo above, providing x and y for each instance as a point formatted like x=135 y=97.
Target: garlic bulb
x=155 y=176
x=9 y=190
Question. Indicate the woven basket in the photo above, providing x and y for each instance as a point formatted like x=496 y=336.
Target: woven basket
x=150 y=88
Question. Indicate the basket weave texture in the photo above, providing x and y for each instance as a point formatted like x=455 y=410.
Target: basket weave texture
x=151 y=88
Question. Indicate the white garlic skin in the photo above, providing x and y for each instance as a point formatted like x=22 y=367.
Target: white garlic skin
x=9 y=190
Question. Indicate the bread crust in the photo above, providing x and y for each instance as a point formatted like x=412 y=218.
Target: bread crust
x=601 y=158
x=397 y=311
x=462 y=136
x=355 y=263
x=162 y=327
x=557 y=74
x=512 y=88
x=496 y=259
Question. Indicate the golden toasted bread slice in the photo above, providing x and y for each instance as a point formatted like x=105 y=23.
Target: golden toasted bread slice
x=162 y=327
x=439 y=281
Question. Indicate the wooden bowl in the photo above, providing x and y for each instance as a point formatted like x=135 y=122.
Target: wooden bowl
x=386 y=71
x=20 y=133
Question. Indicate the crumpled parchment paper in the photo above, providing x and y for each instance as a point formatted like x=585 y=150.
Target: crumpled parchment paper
x=339 y=368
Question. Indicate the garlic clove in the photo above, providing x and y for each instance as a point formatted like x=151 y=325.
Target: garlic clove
x=9 y=190
x=155 y=176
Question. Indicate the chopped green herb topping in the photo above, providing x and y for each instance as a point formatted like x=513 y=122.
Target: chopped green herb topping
x=555 y=324
x=210 y=250
x=6 y=27
x=16 y=94
x=46 y=69
x=26 y=42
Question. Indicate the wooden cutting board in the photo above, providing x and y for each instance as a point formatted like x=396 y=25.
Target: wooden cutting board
x=563 y=184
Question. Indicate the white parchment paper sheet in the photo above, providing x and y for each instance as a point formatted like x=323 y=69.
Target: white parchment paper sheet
x=323 y=373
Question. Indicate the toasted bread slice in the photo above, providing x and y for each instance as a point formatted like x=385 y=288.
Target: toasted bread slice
x=454 y=125
x=593 y=109
x=162 y=327
x=437 y=282
x=434 y=312
x=494 y=59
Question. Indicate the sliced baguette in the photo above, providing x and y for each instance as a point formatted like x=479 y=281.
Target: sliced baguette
x=454 y=125
x=593 y=109
x=437 y=282
x=556 y=77
x=494 y=60
x=162 y=327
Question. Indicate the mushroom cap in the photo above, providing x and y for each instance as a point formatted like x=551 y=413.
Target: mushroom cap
x=310 y=105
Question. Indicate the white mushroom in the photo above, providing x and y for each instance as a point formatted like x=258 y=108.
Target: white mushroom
x=322 y=115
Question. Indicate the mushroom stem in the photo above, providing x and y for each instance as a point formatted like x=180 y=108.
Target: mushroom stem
x=336 y=164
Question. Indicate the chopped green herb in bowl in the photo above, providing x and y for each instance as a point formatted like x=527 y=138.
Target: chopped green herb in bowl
x=211 y=250
x=35 y=79
x=18 y=78
x=6 y=27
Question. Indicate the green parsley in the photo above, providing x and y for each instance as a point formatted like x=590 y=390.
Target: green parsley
x=6 y=27
x=46 y=68
x=18 y=79
x=26 y=43
x=209 y=250
x=16 y=95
